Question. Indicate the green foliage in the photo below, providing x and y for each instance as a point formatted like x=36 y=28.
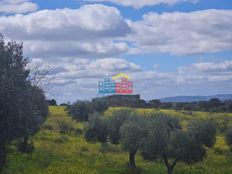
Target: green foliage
x=133 y=101
x=167 y=141
x=155 y=103
x=57 y=153
x=202 y=132
x=115 y=122
x=65 y=126
x=80 y=110
x=23 y=107
x=25 y=146
x=132 y=133
x=97 y=130
x=229 y=137
x=52 y=102
x=214 y=102
x=99 y=105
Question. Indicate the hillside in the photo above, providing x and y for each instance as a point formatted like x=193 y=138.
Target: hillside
x=221 y=97
x=61 y=149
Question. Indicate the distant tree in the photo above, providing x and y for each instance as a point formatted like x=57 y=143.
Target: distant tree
x=138 y=104
x=52 y=102
x=132 y=133
x=189 y=106
x=80 y=110
x=155 y=103
x=124 y=101
x=229 y=106
x=202 y=105
x=229 y=138
x=63 y=104
x=97 y=130
x=167 y=141
x=179 y=106
x=115 y=122
x=99 y=105
x=214 y=103
x=166 y=105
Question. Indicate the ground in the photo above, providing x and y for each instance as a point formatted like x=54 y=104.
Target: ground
x=61 y=149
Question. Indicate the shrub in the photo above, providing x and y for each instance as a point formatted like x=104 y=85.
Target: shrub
x=80 y=110
x=229 y=138
x=25 y=146
x=97 y=130
x=99 y=105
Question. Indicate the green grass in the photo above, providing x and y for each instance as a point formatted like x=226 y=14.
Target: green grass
x=69 y=153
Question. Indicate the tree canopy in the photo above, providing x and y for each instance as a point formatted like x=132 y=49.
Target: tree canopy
x=23 y=107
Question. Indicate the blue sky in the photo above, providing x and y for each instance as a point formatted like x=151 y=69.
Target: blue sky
x=169 y=47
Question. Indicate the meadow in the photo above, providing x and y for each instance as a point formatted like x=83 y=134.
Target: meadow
x=60 y=148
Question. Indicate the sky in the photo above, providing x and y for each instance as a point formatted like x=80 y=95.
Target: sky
x=167 y=47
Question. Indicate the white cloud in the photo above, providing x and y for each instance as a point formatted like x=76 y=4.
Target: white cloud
x=183 y=33
x=78 y=78
x=17 y=6
x=99 y=31
x=90 y=31
x=141 y=3
x=72 y=69
x=87 y=49
x=208 y=67
x=208 y=71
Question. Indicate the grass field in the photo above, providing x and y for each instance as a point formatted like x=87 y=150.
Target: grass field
x=61 y=149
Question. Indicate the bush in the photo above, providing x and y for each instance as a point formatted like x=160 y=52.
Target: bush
x=80 y=110
x=99 y=105
x=25 y=146
x=78 y=131
x=65 y=125
x=97 y=130
x=229 y=138
x=108 y=147
x=61 y=139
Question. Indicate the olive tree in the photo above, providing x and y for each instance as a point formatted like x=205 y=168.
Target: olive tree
x=115 y=122
x=166 y=140
x=34 y=112
x=18 y=116
x=80 y=110
x=97 y=130
x=132 y=133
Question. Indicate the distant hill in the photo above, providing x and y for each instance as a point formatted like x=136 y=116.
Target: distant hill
x=221 y=97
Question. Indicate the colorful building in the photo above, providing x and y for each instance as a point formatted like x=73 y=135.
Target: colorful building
x=109 y=86
x=124 y=87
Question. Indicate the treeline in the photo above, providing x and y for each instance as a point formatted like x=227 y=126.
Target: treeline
x=23 y=107
x=134 y=101
x=213 y=105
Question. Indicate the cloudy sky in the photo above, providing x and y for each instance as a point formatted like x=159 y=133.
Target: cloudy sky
x=167 y=47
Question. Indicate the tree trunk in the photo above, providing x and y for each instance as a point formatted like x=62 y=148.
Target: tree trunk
x=170 y=170
x=169 y=167
x=24 y=144
x=3 y=155
x=132 y=160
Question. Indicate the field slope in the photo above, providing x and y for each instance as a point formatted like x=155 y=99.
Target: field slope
x=61 y=149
